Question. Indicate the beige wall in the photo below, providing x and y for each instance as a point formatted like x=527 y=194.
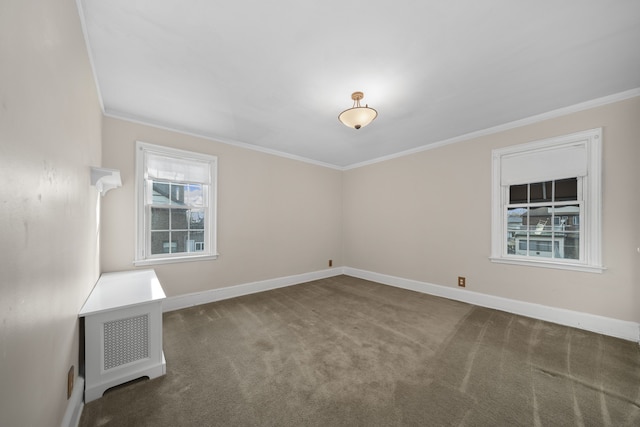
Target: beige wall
x=424 y=217
x=427 y=217
x=276 y=217
x=50 y=123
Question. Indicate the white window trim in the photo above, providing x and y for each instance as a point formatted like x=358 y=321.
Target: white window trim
x=140 y=256
x=592 y=199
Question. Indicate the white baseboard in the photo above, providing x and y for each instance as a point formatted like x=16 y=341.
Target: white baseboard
x=74 y=405
x=603 y=325
x=189 y=300
x=590 y=322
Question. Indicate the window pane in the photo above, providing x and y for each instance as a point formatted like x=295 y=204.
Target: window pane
x=194 y=195
x=571 y=246
x=567 y=218
x=161 y=193
x=524 y=244
x=540 y=192
x=177 y=194
x=540 y=245
x=160 y=242
x=159 y=219
x=540 y=248
x=518 y=194
x=196 y=217
x=179 y=239
x=568 y=232
x=540 y=220
x=516 y=218
x=179 y=219
x=567 y=189
x=196 y=241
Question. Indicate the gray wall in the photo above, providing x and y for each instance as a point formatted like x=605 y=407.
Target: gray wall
x=50 y=131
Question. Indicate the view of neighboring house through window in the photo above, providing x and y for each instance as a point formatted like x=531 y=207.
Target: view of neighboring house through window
x=546 y=203
x=176 y=205
x=543 y=219
x=177 y=217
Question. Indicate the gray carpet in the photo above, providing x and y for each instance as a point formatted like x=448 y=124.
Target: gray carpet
x=348 y=352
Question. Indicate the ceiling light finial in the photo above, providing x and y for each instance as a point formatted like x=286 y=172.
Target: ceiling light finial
x=357 y=116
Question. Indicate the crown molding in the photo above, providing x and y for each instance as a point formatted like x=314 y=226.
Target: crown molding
x=598 y=102
x=85 y=35
x=610 y=99
x=226 y=141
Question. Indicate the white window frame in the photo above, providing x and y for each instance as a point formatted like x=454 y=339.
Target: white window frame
x=591 y=183
x=143 y=255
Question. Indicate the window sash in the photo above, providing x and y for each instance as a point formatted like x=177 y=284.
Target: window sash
x=187 y=253
x=551 y=229
x=553 y=204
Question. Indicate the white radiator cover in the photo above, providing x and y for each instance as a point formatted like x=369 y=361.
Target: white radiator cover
x=123 y=331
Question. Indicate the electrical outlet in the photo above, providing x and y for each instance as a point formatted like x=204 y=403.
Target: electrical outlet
x=70 y=382
x=330 y=263
x=462 y=281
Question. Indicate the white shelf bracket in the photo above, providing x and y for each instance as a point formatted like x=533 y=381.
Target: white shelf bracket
x=105 y=179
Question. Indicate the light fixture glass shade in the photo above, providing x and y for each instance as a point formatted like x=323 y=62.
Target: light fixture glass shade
x=357 y=117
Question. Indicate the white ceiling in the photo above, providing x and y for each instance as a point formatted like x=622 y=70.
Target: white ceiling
x=276 y=74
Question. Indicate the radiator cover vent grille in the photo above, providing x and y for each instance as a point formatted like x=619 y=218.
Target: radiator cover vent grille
x=125 y=341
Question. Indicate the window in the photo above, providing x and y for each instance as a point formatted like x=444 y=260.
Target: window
x=546 y=205
x=175 y=205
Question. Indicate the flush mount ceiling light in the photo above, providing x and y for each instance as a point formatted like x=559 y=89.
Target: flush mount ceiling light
x=357 y=117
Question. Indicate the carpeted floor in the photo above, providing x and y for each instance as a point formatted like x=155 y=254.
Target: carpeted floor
x=347 y=352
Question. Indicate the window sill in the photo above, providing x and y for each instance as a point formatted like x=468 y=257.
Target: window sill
x=173 y=260
x=549 y=264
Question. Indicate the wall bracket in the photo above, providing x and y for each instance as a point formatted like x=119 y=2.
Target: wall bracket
x=105 y=179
